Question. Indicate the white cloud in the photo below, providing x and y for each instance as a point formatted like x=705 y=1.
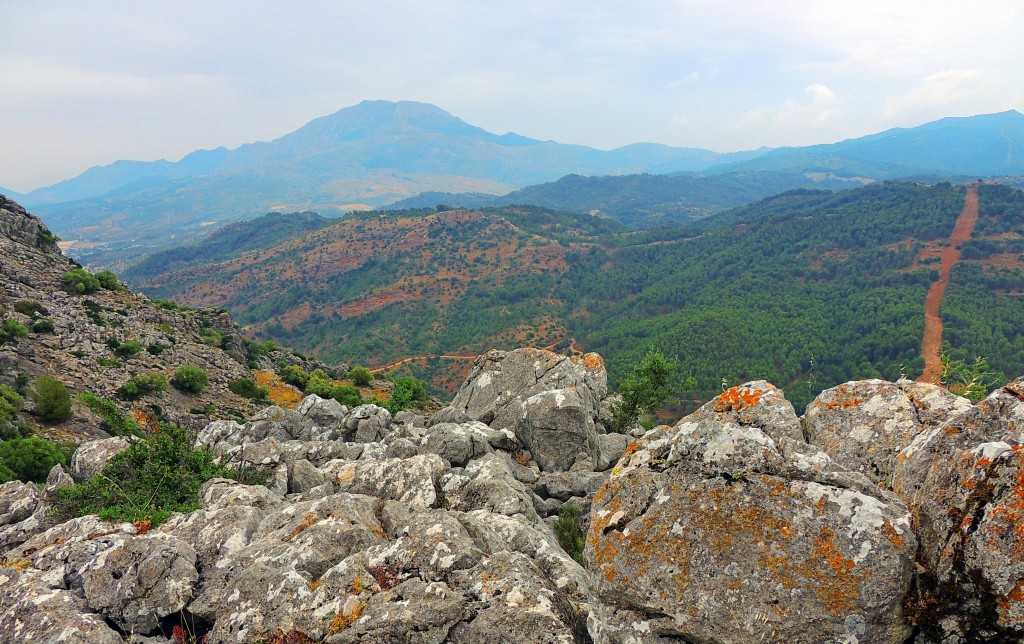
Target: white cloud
x=940 y=93
x=818 y=111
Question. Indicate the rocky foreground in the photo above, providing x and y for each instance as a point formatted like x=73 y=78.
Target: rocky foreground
x=890 y=512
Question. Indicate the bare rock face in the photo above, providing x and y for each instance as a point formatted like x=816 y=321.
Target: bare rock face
x=864 y=425
x=141 y=580
x=90 y=457
x=31 y=612
x=734 y=530
x=962 y=479
x=22 y=513
x=552 y=402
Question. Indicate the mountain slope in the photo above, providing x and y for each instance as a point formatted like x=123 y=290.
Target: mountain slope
x=977 y=146
x=808 y=286
x=642 y=200
x=367 y=155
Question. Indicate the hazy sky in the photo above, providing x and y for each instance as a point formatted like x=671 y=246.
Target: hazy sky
x=86 y=83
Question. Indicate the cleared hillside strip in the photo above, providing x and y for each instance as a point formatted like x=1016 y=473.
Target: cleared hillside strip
x=931 y=345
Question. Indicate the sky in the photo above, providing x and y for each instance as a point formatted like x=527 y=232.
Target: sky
x=86 y=83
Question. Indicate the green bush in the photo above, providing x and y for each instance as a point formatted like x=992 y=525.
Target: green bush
x=347 y=395
x=30 y=308
x=294 y=375
x=30 y=459
x=190 y=379
x=570 y=532
x=212 y=337
x=406 y=393
x=109 y=281
x=157 y=348
x=10 y=404
x=319 y=383
x=140 y=385
x=151 y=479
x=53 y=402
x=44 y=236
x=115 y=421
x=11 y=329
x=127 y=349
x=247 y=388
x=43 y=325
x=360 y=376
x=80 y=280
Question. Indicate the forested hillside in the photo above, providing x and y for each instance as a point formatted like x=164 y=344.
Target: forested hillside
x=806 y=289
x=644 y=200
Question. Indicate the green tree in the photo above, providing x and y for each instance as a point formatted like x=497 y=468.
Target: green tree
x=644 y=389
x=81 y=281
x=30 y=459
x=53 y=402
x=347 y=395
x=972 y=381
x=190 y=379
x=360 y=376
x=247 y=388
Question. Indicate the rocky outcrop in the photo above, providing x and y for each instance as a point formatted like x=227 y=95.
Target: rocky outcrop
x=889 y=513
x=728 y=527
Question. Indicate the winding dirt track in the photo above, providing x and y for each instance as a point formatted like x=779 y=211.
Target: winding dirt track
x=931 y=345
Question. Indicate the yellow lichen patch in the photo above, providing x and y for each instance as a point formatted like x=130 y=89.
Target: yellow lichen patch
x=316 y=583
x=307 y=522
x=349 y=613
x=17 y=564
x=737 y=399
x=281 y=394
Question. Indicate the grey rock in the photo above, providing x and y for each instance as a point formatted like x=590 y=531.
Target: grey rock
x=367 y=424
x=719 y=512
x=57 y=479
x=412 y=480
x=566 y=485
x=448 y=415
x=141 y=580
x=22 y=513
x=488 y=484
x=90 y=457
x=500 y=381
x=323 y=419
x=303 y=476
x=32 y=612
x=457 y=444
x=223 y=493
x=557 y=426
x=410 y=419
x=610 y=448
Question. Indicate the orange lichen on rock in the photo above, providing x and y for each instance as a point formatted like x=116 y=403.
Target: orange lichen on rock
x=843 y=399
x=897 y=540
x=307 y=522
x=737 y=399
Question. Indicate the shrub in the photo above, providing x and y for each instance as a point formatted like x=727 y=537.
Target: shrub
x=11 y=329
x=80 y=280
x=44 y=236
x=294 y=375
x=151 y=479
x=128 y=348
x=406 y=393
x=157 y=348
x=109 y=281
x=43 y=325
x=10 y=404
x=212 y=337
x=190 y=379
x=347 y=395
x=115 y=421
x=360 y=376
x=109 y=362
x=319 y=383
x=30 y=459
x=140 y=385
x=30 y=308
x=570 y=532
x=247 y=388
x=53 y=402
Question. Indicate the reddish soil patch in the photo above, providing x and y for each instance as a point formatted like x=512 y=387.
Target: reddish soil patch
x=931 y=345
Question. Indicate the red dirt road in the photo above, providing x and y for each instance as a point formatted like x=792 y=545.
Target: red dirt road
x=931 y=345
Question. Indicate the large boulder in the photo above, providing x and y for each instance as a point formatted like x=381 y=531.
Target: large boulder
x=141 y=580
x=963 y=481
x=733 y=529
x=558 y=427
x=90 y=457
x=33 y=612
x=501 y=380
x=864 y=425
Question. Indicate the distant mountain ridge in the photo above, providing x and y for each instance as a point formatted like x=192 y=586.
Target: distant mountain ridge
x=379 y=152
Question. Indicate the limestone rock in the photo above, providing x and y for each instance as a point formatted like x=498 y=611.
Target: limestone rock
x=90 y=457
x=141 y=580
x=21 y=513
x=32 y=612
x=457 y=444
x=412 y=480
x=728 y=509
x=557 y=426
x=500 y=381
